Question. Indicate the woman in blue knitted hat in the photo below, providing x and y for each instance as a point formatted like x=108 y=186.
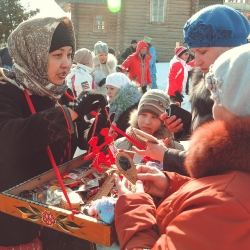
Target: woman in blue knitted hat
x=211 y=209
x=208 y=33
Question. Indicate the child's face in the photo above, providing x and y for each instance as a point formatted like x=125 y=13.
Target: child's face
x=148 y=123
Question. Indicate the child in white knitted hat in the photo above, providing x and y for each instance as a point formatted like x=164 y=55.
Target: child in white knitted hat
x=123 y=96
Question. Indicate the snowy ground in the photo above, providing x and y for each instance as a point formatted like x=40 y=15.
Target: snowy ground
x=162 y=75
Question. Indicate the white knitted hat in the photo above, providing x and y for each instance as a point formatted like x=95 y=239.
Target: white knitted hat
x=229 y=81
x=117 y=80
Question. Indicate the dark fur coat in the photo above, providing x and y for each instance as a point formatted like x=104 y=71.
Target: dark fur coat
x=201 y=104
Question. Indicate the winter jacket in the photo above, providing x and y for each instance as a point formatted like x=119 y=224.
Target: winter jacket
x=125 y=101
x=24 y=138
x=101 y=71
x=137 y=67
x=153 y=70
x=178 y=75
x=211 y=210
x=173 y=161
x=80 y=79
x=127 y=52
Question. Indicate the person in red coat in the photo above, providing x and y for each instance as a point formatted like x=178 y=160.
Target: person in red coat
x=137 y=66
x=178 y=74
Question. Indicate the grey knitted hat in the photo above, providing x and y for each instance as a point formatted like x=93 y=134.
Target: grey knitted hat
x=83 y=56
x=154 y=101
x=101 y=47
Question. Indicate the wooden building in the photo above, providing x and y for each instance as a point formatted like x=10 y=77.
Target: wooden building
x=162 y=20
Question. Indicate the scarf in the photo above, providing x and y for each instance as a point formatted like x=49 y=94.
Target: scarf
x=29 y=46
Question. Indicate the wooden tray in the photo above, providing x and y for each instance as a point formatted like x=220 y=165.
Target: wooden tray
x=81 y=226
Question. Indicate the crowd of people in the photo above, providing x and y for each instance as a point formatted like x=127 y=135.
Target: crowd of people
x=193 y=199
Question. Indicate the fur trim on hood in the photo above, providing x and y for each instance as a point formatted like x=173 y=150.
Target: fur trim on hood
x=111 y=61
x=201 y=103
x=219 y=146
x=127 y=96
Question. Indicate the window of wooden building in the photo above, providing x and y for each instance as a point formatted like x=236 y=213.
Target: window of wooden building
x=206 y=3
x=100 y=23
x=157 y=13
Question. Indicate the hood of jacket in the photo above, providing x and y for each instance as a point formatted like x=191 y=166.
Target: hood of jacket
x=127 y=96
x=111 y=61
x=140 y=45
x=219 y=146
x=177 y=59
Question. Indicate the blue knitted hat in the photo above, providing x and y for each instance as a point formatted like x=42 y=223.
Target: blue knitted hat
x=216 y=26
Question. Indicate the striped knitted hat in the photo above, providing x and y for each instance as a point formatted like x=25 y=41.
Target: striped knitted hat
x=179 y=51
x=154 y=101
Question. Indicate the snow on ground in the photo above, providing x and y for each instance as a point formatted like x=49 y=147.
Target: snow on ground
x=162 y=75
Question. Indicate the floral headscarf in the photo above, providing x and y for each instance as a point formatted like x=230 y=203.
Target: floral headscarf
x=29 y=46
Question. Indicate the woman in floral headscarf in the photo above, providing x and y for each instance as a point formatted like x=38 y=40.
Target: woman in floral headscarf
x=42 y=50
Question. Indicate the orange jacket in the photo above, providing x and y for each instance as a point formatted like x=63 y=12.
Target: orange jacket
x=209 y=212
x=138 y=69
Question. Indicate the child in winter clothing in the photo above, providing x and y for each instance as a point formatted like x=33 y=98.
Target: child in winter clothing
x=178 y=74
x=138 y=66
x=104 y=64
x=146 y=118
x=80 y=78
x=123 y=96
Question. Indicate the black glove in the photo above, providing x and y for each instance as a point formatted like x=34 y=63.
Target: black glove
x=118 y=69
x=179 y=96
x=102 y=122
x=88 y=101
x=102 y=82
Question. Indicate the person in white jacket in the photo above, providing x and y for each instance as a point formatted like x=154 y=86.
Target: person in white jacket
x=80 y=78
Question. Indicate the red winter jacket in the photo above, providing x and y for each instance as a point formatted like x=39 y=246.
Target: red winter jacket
x=210 y=212
x=139 y=69
x=178 y=75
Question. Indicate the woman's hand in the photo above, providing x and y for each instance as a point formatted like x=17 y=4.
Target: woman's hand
x=154 y=181
x=126 y=187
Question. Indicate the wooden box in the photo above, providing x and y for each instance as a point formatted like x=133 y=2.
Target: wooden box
x=80 y=225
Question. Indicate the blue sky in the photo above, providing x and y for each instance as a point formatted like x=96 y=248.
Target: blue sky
x=47 y=7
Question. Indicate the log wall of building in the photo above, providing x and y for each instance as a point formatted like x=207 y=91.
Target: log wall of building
x=83 y=19
x=133 y=22
x=164 y=35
